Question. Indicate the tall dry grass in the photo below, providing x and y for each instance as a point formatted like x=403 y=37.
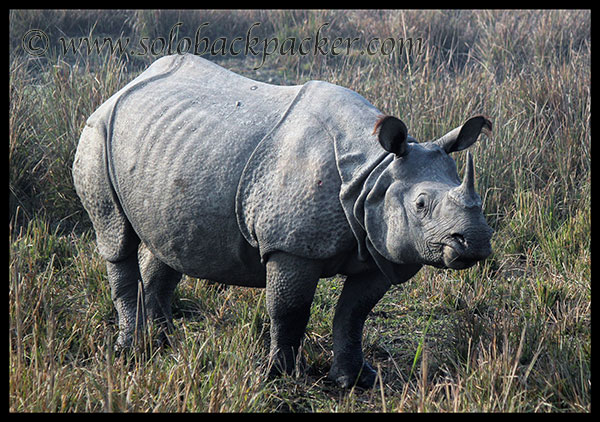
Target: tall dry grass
x=510 y=334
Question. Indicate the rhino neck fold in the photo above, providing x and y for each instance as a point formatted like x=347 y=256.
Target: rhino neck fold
x=358 y=184
x=366 y=175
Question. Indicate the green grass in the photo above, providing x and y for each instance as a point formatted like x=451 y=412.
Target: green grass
x=512 y=334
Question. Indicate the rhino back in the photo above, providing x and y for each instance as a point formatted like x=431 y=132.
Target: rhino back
x=177 y=146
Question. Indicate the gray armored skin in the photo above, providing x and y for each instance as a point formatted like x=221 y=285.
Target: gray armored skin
x=192 y=169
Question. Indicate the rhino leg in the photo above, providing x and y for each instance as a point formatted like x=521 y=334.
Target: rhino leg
x=360 y=294
x=117 y=242
x=159 y=282
x=291 y=284
x=123 y=277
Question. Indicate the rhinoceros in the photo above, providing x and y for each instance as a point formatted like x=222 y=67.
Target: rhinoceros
x=193 y=169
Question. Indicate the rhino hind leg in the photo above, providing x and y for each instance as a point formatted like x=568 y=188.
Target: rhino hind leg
x=360 y=294
x=117 y=242
x=291 y=284
x=123 y=277
x=159 y=282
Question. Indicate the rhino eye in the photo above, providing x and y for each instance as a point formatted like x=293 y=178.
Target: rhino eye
x=421 y=202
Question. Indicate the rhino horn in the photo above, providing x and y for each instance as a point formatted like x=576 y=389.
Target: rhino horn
x=465 y=194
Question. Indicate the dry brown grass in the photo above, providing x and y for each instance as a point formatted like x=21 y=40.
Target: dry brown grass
x=511 y=334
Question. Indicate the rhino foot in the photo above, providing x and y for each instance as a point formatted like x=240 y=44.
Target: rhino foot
x=348 y=378
x=288 y=362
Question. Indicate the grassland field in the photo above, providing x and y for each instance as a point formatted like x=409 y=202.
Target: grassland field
x=511 y=334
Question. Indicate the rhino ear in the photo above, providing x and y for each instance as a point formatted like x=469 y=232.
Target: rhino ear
x=393 y=135
x=464 y=136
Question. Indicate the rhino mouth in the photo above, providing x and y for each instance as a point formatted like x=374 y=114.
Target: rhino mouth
x=457 y=255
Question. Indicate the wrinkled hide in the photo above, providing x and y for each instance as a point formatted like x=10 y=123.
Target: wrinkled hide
x=178 y=140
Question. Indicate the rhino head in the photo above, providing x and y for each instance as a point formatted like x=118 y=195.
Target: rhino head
x=430 y=216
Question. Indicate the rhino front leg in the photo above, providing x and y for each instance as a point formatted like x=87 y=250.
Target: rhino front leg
x=291 y=284
x=159 y=282
x=360 y=294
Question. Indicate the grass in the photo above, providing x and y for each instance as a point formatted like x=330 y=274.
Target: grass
x=512 y=334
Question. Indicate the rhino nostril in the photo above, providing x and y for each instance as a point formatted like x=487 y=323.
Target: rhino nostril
x=459 y=238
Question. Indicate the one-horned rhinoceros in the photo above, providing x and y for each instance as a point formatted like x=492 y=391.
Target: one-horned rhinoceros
x=193 y=169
